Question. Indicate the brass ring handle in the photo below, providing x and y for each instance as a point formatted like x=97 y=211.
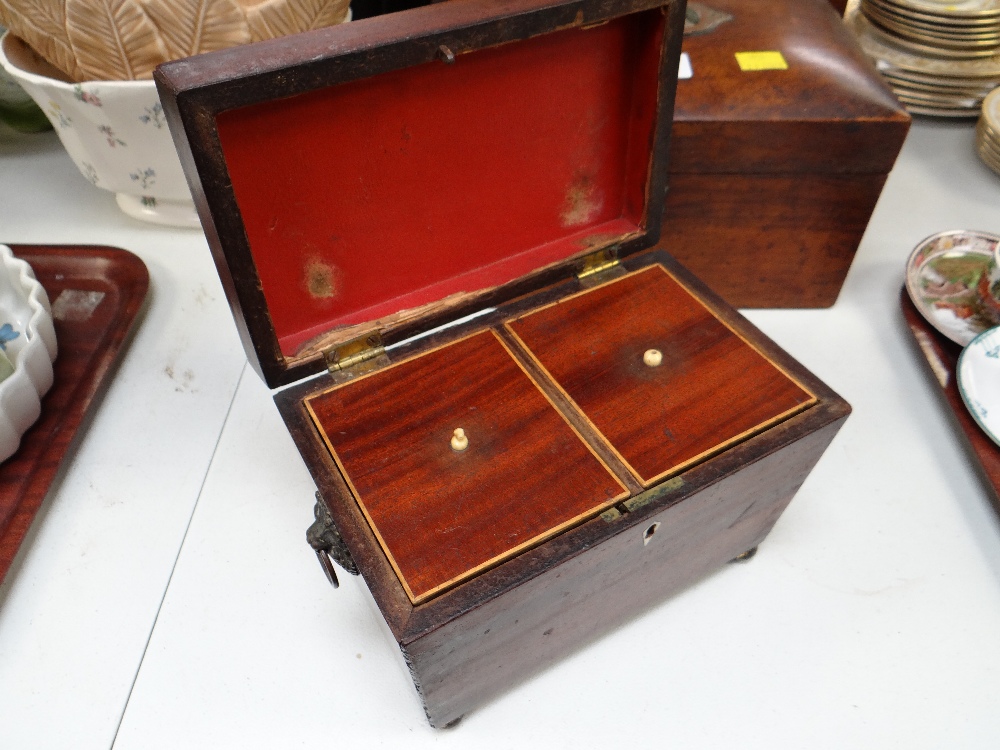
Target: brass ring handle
x=329 y=546
x=326 y=563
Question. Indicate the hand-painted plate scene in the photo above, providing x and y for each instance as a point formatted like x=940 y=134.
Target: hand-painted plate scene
x=945 y=278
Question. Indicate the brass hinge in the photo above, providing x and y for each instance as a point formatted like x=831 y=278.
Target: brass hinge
x=598 y=262
x=354 y=352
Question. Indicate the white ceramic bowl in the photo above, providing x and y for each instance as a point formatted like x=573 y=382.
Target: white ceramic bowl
x=979 y=381
x=115 y=133
x=29 y=341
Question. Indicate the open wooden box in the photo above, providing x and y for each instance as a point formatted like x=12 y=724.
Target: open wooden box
x=447 y=212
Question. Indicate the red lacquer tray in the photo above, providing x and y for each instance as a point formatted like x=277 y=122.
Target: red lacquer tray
x=942 y=357
x=105 y=288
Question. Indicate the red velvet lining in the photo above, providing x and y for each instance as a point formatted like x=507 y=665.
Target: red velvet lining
x=397 y=190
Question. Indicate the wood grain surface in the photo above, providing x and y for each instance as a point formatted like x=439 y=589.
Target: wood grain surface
x=828 y=112
x=702 y=526
x=443 y=515
x=942 y=359
x=88 y=348
x=476 y=639
x=711 y=390
x=770 y=240
x=774 y=174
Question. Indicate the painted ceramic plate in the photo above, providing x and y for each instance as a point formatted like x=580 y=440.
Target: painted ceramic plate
x=27 y=349
x=935 y=24
x=979 y=381
x=905 y=80
x=932 y=47
x=887 y=54
x=935 y=21
x=955 y=8
x=988 y=144
x=991 y=110
x=916 y=109
x=942 y=276
x=922 y=99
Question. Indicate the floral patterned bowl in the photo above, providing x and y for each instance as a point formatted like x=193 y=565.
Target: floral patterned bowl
x=115 y=133
x=28 y=343
x=944 y=278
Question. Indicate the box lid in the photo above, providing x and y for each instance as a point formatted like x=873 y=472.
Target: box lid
x=397 y=172
x=828 y=111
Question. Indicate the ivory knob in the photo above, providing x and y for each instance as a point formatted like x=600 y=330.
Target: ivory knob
x=652 y=357
x=459 y=442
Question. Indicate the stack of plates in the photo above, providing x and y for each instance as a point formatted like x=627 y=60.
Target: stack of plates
x=954 y=29
x=988 y=132
x=940 y=59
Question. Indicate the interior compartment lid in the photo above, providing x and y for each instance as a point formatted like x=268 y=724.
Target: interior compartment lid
x=397 y=171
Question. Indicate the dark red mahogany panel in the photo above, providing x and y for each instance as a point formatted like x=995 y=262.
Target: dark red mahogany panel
x=90 y=342
x=445 y=178
x=443 y=515
x=712 y=390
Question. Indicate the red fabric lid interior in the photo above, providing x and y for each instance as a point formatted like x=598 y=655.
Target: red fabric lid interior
x=394 y=191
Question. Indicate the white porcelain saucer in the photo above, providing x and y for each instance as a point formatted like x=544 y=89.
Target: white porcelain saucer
x=979 y=381
x=28 y=339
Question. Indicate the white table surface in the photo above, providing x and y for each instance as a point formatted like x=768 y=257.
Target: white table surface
x=166 y=597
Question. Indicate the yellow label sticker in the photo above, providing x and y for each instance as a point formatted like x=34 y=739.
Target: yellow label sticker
x=771 y=60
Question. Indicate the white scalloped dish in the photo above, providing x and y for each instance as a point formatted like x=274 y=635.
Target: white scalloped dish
x=28 y=340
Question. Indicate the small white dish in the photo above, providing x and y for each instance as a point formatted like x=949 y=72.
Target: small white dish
x=28 y=339
x=979 y=381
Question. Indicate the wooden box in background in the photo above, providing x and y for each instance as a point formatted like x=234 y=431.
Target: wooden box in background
x=446 y=215
x=774 y=173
